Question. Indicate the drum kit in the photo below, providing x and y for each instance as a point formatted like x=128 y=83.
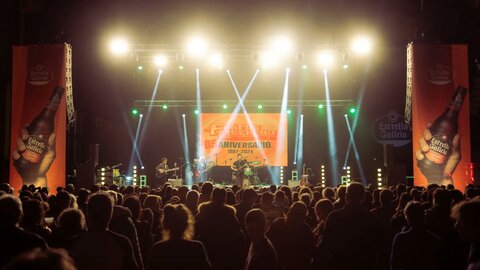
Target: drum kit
x=250 y=175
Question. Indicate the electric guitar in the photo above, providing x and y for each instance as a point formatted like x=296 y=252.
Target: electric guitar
x=239 y=171
x=159 y=173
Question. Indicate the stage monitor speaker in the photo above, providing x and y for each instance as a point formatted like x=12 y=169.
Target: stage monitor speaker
x=176 y=182
x=292 y=183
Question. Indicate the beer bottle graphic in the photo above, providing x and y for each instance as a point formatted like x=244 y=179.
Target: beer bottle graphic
x=39 y=130
x=440 y=145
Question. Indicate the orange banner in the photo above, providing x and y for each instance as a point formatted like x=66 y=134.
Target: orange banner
x=38 y=133
x=437 y=83
x=224 y=136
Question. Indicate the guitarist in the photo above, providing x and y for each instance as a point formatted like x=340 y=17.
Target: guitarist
x=238 y=166
x=161 y=172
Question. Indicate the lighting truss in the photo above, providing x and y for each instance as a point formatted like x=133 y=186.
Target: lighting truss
x=248 y=103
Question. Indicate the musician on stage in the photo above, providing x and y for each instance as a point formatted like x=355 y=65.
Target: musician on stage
x=238 y=168
x=201 y=170
x=161 y=172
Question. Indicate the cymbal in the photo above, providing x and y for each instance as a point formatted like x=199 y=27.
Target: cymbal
x=255 y=162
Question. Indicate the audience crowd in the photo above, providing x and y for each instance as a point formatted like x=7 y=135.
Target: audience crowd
x=209 y=227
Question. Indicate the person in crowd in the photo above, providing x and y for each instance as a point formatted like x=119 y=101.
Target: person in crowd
x=269 y=209
x=192 y=201
x=218 y=229
x=355 y=231
x=416 y=248
x=71 y=222
x=467 y=222
x=82 y=199
x=231 y=200
x=261 y=255
x=398 y=221
x=206 y=192
x=100 y=248
x=439 y=222
x=385 y=212
x=178 y=250
x=34 y=219
x=144 y=229
x=123 y=224
x=292 y=238
x=62 y=202
x=340 y=202
x=281 y=201
x=38 y=259
x=322 y=209
x=154 y=203
x=248 y=199
x=329 y=193
x=15 y=240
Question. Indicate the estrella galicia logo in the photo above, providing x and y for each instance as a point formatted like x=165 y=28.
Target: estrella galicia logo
x=392 y=129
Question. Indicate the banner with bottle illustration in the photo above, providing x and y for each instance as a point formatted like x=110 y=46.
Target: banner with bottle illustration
x=437 y=90
x=41 y=74
x=261 y=138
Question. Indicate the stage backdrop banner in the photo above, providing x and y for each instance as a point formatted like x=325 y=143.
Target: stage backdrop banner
x=38 y=132
x=437 y=89
x=225 y=135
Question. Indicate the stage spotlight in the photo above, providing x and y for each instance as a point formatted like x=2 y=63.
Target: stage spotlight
x=216 y=60
x=134 y=111
x=268 y=59
x=352 y=110
x=325 y=59
x=119 y=46
x=259 y=106
x=362 y=45
x=320 y=106
x=140 y=67
x=141 y=115
x=345 y=66
x=197 y=46
x=282 y=45
x=180 y=67
x=225 y=106
x=165 y=106
x=183 y=115
x=196 y=112
x=304 y=66
x=289 y=111
x=160 y=60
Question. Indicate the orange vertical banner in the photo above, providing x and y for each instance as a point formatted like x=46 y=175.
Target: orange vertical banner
x=437 y=89
x=38 y=131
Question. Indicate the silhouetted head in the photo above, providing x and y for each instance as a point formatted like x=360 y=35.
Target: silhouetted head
x=323 y=208
x=415 y=214
x=442 y=198
x=386 y=197
x=33 y=213
x=297 y=213
x=467 y=217
x=255 y=224
x=42 y=260
x=355 y=194
x=99 y=211
x=71 y=220
x=133 y=203
x=266 y=198
x=219 y=195
x=10 y=210
x=207 y=188
x=177 y=222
